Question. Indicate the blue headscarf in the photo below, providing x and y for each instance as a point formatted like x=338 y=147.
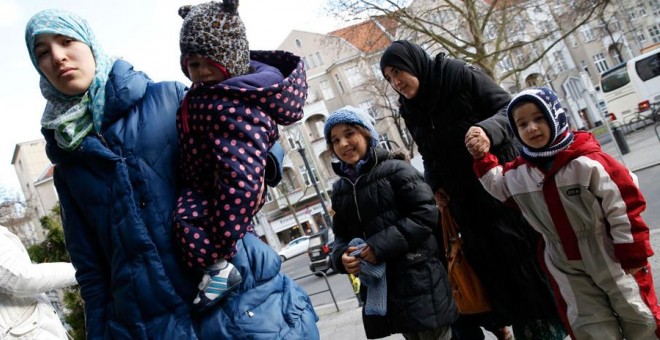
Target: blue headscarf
x=72 y=117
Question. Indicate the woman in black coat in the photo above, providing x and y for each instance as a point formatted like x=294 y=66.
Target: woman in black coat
x=384 y=220
x=440 y=100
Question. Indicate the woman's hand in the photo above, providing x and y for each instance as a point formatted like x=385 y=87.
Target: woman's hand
x=477 y=142
x=351 y=263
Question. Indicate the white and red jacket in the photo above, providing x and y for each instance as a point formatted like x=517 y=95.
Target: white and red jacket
x=584 y=190
x=587 y=206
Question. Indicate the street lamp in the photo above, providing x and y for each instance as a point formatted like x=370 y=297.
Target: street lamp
x=326 y=215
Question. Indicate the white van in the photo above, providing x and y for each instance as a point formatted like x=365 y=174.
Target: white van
x=632 y=86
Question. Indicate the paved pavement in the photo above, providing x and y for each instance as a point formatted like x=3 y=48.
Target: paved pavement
x=644 y=153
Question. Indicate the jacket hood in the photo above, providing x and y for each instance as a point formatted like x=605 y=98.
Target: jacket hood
x=278 y=86
x=124 y=89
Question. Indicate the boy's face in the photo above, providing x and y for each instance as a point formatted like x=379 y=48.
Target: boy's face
x=532 y=126
x=200 y=69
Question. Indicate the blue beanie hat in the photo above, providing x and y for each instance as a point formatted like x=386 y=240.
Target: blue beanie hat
x=351 y=115
x=548 y=103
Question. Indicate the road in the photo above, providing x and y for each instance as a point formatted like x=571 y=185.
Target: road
x=298 y=268
x=649 y=182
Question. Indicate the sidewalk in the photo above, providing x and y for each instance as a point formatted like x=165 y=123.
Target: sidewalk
x=644 y=153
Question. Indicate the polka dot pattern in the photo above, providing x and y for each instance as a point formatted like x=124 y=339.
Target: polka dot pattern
x=225 y=132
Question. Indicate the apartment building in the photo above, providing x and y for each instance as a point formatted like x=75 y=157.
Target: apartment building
x=35 y=175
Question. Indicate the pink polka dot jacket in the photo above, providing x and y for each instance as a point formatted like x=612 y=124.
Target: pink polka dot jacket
x=225 y=131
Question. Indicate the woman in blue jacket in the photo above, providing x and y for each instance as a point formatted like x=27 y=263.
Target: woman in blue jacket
x=110 y=132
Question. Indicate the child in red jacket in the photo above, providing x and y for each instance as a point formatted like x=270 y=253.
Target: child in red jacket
x=587 y=206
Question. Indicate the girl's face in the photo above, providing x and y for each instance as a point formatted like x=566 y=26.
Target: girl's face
x=68 y=64
x=200 y=69
x=348 y=143
x=532 y=126
x=403 y=82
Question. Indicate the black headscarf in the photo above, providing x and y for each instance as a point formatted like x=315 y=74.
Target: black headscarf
x=412 y=58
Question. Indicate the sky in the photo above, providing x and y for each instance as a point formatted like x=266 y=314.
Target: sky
x=143 y=32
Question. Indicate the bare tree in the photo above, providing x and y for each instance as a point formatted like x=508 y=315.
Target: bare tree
x=485 y=33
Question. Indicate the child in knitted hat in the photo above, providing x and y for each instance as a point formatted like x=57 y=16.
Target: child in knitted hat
x=384 y=220
x=227 y=124
x=587 y=206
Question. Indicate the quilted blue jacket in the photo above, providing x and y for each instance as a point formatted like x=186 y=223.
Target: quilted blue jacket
x=117 y=192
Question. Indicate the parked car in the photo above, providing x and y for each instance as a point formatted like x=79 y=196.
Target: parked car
x=320 y=246
x=294 y=248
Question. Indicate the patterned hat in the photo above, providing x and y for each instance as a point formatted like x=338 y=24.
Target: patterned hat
x=351 y=115
x=214 y=30
x=546 y=100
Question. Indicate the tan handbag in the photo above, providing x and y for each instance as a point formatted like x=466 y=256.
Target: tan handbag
x=466 y=287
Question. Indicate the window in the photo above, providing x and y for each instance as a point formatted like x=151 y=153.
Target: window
x=615 y=25
x=307 y=66
x=520 y=56
x=319 y=60
x=560 y=63
x=648 y=67
x=339 y=84
x=326 y=90
x=368 y=107
x=291 y=140
x=506 y=63
x=600 y=62
x=587 y=33
x=269 y=195
x=654 y=32
x=386 y=143
x=641 y=37
x=298 y=43
x=632 y=15
x=354 y=76
x=312 y=61
x=305 y=174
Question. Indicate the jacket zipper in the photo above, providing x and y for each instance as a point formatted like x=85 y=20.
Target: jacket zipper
x=357 y=207
x=102 y=139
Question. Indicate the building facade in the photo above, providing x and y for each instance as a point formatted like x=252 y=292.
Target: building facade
x=34 y=173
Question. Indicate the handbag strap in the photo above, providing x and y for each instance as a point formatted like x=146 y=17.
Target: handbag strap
x=449 y=229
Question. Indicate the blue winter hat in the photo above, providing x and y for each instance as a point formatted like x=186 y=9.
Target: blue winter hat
x=351 y=115
x=548 y=103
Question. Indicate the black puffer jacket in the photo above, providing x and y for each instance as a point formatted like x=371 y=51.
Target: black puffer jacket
x=498 y=242
x=393 y=210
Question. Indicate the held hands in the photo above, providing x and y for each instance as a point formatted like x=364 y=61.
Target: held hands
x=477 y=142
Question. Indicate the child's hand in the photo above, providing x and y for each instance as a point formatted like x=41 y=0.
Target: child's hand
x=477 y=142
x=368 y=255
x=351 y=263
